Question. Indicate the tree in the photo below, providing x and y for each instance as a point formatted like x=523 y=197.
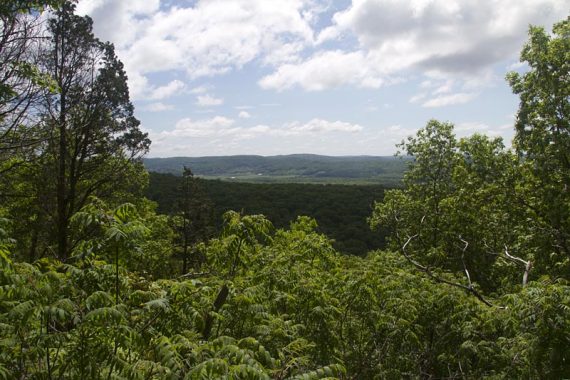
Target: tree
x=458 y=212
x=21 y=81
x=96 y=142
x=419 y=208
x=194 y=222
x=543 y=141
x=429 y=176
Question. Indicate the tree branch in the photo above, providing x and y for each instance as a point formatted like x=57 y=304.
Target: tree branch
x=434 y=277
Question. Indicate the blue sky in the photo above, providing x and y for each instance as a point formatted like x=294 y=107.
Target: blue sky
x=335 y=77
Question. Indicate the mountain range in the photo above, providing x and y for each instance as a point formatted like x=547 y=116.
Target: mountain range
x=300 y=168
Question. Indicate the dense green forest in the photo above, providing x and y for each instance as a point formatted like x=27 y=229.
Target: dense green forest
x=96 y=284
x=296 y=168
x=341 y=211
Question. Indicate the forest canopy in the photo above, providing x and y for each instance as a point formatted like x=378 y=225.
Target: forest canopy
x=96 y=284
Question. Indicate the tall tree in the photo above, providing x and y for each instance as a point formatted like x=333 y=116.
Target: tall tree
x=194 y=223
x=95 y=138
x=543 y=140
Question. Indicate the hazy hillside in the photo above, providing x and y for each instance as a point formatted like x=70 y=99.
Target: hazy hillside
x=289 y=168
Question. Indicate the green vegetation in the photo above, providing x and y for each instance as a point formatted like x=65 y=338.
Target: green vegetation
x=296 y=168
x=95 y=284
x=341 y=211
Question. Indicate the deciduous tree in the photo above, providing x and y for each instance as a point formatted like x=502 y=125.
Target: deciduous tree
x=543 y=141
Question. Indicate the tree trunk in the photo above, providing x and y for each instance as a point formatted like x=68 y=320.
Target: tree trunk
x=62 y=221
x=218 y=303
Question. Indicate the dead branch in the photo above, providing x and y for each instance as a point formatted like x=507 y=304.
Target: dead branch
x=436 y=278
x=527 y=265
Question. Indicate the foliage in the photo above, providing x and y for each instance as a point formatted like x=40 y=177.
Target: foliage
x=460 y=214
x=445 y=300
x=543 y=139
x=294 y=309
x=91 y=142
x=340 y=210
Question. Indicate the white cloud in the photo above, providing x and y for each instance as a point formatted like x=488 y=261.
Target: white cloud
x=447 y=100
x=394 y=37
x=167 y=90
x=119 y=21
x=283 y=53
x=198 y=90
x=244 y=115
x=208 y=101
x=207 y=37
x=469 y=128
x=463 y=39
x=201 y=38
x=324 y=70
x=222 y=135
x=158 y=107
x=418 y=97
x=200 y=128
x=221 y=126
x=320 y=125
x=441 y=91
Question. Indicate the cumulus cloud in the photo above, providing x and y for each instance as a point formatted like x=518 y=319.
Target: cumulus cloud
x=208 y=101
x=324 y=70
x=198 y=90
x=158 y=107
x=200 y=128
x=221 y=126
x=244 y=115
x=469 y=128
x=446 y=100
x=446 y=37
x=394 y=38
x=223 y=135
x=206 y=37
x=119 y=21
x=167 y=90
x=320 y=125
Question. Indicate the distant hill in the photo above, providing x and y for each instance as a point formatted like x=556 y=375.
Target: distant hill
x=307 y=168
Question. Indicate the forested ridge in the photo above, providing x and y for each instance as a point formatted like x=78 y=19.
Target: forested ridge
x=96 y=284
x=294 y=168
x=341 y=211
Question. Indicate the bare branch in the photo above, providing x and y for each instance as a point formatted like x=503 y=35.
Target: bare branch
x=463 y=260
x=438 y=279
x=527 y=265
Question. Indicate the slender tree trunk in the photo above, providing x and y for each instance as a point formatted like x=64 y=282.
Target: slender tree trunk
x=218 y=303
x=62 y=222
x=33 y=245
x=61 y=182
x=185 y=251
x=117 y=288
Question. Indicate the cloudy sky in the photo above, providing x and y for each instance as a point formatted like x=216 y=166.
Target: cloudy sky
x=336 y=77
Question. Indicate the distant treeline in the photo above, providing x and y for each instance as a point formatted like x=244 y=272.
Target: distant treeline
x=341 y=211
x=289 y=168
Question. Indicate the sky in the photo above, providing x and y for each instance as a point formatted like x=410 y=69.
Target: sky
x=333 y=77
